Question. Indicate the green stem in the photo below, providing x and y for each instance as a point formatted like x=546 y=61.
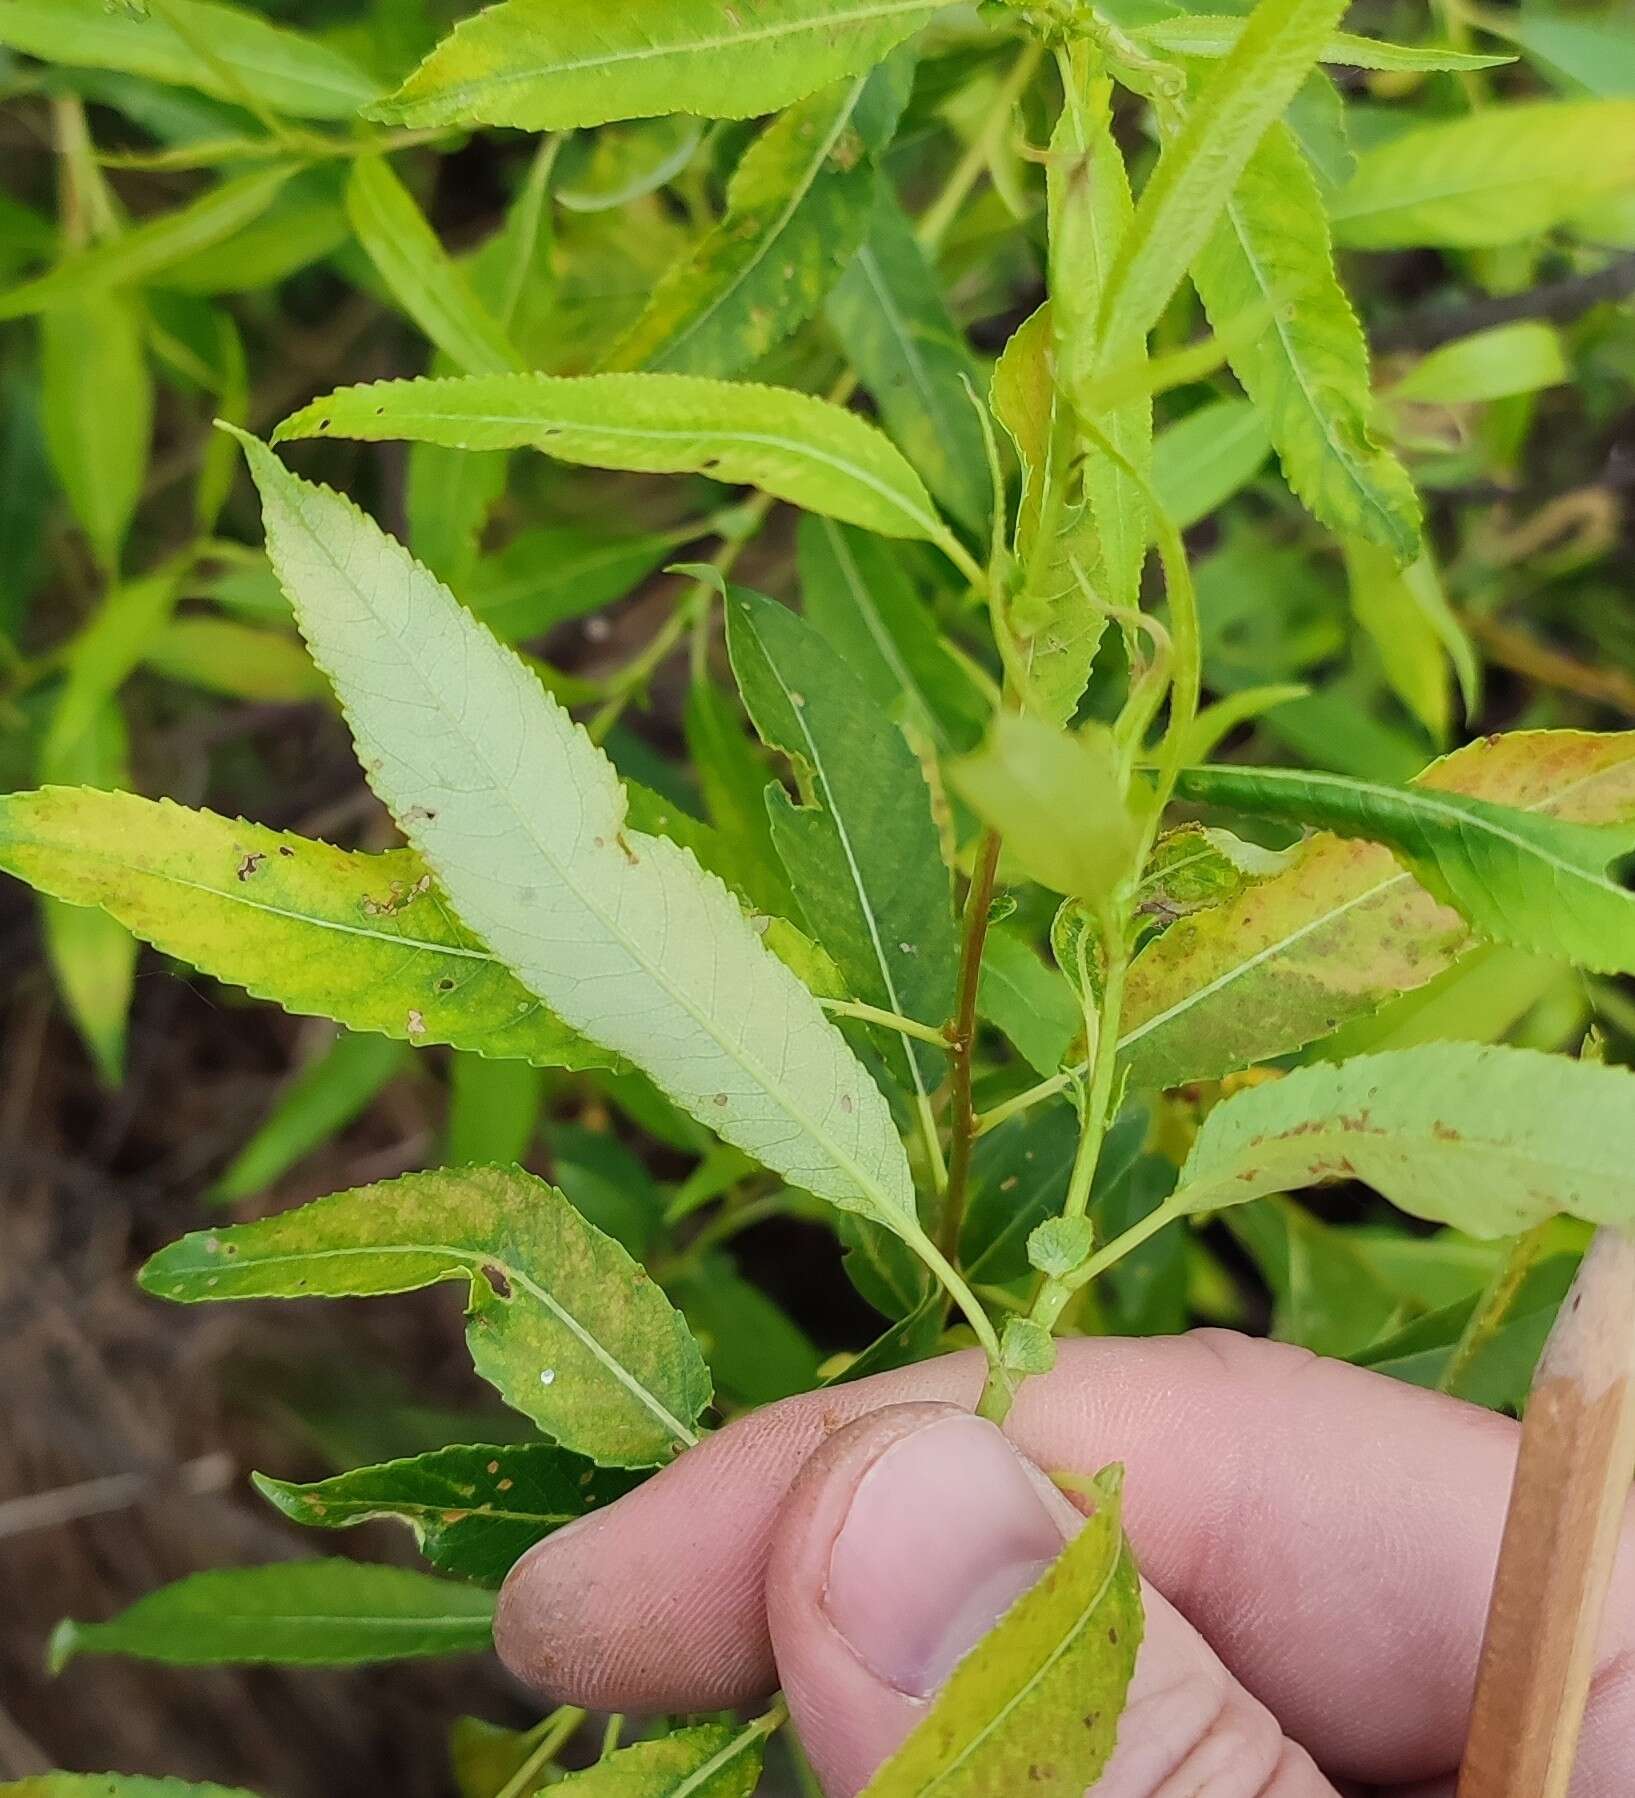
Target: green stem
x=1103 y=1067
x=941 y=213
x=978 y=904
x=1485 y=1321
x=553 y=1738
x=887 y=1020
x=1023 y=1101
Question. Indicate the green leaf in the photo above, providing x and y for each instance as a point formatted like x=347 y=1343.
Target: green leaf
x=1035 y=1705
x=112 y=1785
x=524 y=824
x=493 y=1111
x=1029 y=1002
x=1344 y=927
x=1054 y=618
x=1498 y=176
x=892 y=321
x=711 y=1760
x=432 y=289
x=797 y=208
x=1201 y=163
x=337 y=1085
x=225 y=51
x=1091 y=215
x=1326 y=1295
x=475 y=1510
x=219 y=655
x=1203 y=35
x=857 y=593
x=96 y=406
x=1415 y=632
x=863 y=855
x=1488 y=365
x=149 y=249
x=1201 y=460
x=732 y=777
x=292 y=1614
x=364 y=939
x=792 y=445
x=757 y=1354
x=1589 y=54
x=1492 y=1140
x=1307 y=372
x=1056 y=799
x=562 y=1321
x=554 y=65
x=1517 y=876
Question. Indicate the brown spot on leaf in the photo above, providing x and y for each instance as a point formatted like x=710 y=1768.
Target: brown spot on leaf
x=496 y=1277
x=251 y=862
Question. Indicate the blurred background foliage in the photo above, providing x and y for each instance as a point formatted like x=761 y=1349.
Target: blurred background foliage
x=144 y=643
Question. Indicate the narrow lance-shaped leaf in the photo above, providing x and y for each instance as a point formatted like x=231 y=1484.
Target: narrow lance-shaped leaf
x=225 y=51
x=1205 y=35
x=1344 y=927
x=1307 y=372
x=1200 y=165
x=554 y=65
x=561 y=1320
x=419 y=274
x=112 y=1785
x=1090 y=219
x=1035 y=1705
x=148 y=249
x=797 y=208
x=524 y=824
x=292 y=1613
x=710 y=1760
x=1055 y=619
x=863 y=858
x=793 y=445
x=365 y=939
x=891 y=318
x=1517 y=876
x=1492 y=1140
x=475 y=1510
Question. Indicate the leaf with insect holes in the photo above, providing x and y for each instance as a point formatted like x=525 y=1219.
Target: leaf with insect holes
x=1307 y=371
x=555 y=65
x=1035 y=1705
x=710 y=1760
x=290 y=1614
x=1497 y=176
x=561 y=1320
x=365 y=939
x=863 y=857
x=475 y=1510
x=792 y=445
x=891 y=318
x=524 y=825
x=1517 y=876
x=224 y=51
x=1198 y=170
x=797 y=208
x=1344 y=927
x=1489 y=1139
x=150 y=248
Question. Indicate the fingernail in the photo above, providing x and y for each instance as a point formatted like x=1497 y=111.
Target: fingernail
x=945 y=1531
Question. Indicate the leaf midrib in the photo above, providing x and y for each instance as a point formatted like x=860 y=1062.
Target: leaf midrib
x=475 y=1260
x=692 y=47
x=869 y=1187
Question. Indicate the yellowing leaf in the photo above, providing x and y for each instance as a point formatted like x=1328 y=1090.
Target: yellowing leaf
x=561 y=1320
x=1034 y=1707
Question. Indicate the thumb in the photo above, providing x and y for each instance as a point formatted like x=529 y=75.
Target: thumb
x=905 y=1539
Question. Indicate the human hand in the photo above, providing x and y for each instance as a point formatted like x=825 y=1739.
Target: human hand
x=1319 y=1544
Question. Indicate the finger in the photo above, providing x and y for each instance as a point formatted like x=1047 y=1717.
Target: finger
x=1331 y=1533
x=905 y=1538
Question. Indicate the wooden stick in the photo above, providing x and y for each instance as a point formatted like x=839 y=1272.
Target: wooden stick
x=1572 y=1482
